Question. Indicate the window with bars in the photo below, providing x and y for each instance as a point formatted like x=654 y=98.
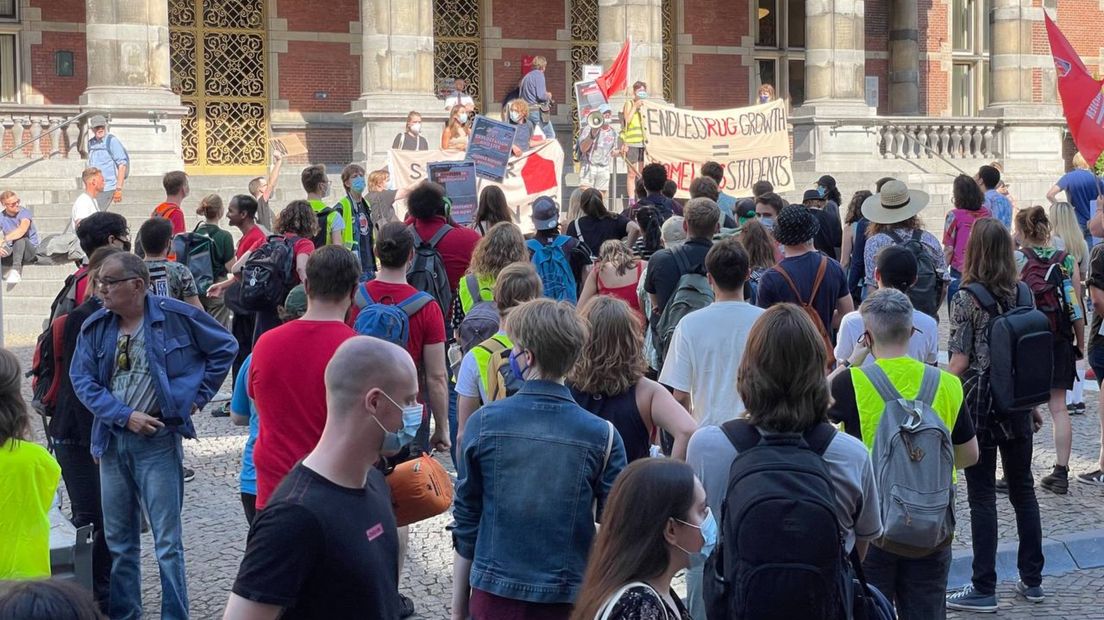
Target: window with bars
x=9 y=10
x=9 y=74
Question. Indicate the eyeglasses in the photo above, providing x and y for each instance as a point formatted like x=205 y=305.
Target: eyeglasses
x=14 y=205
x=122 y=360
x=109 y=282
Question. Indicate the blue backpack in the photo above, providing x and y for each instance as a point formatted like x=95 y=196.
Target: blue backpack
x=387 y=321
x=554 y=269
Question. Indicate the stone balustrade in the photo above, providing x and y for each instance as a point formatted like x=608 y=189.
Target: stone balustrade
x=945 y=138
x=41 y=127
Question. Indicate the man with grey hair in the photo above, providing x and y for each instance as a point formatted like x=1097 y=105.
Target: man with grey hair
x=917 y=585
x=143 y=365
x=106 y=152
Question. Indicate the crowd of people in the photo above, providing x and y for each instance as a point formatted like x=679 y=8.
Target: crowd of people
x=739 y=389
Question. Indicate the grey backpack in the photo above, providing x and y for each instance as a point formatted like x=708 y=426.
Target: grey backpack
x=691 y=293
x=914 y=468
x=481 y=322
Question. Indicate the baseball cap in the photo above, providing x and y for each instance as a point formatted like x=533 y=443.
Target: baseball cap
x=97 y=120
x=546 y=214
x=896 y=267
x=811 y=194
x=295 y=305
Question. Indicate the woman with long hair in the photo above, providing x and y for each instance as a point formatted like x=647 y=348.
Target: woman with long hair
x=990 y=263
x=616 y=273
x=762 y=254
x=969 y=207
x=597 y=224
x=492 y=209
x=650 y=240
x=503 y=244
x=1066 y=234
x=28 y=479
x=455 y=135
x=608 y=380
x=655 y=520
x=574 y=207
x=1037 y=249
x=854 y=242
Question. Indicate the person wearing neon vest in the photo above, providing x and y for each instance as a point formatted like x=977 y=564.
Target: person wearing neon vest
x=632 y=132
x=359 y=232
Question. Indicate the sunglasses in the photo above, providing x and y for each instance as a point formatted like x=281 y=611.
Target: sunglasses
x=122 y=360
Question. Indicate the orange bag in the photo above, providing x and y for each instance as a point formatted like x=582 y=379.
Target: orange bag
x=420 y=489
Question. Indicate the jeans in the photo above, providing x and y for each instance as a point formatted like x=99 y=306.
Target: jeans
x=535 y=117
x=82 y=484
x=1015 y=455
x=22 y=251
x=137 y=471
x=917 y=586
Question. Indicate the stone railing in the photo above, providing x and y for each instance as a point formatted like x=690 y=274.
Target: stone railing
x=943 y=138
x=40 y=132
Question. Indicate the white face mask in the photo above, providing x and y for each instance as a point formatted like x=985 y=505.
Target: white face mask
x=515 y=116
x=415 y=128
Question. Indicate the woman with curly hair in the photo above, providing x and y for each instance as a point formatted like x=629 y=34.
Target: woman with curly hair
x=608 y=380
x=854 y=241
x=517 y=114
x=616 y=273
x=503 y=244
x=297 y=222
x=492 y=209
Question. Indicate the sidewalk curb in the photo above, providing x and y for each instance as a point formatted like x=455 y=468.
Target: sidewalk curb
x=1064 y=554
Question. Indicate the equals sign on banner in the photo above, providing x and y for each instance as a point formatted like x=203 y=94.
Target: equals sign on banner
x=720 y=150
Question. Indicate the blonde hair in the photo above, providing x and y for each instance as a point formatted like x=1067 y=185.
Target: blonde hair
x=616 y=253
x=612 y=358
x=574 y=205
x=540 y=62
x=552 y=332
x=377 y=177
x=211 y=207
x=1079 y=161
x=519 y=106
x=503 y=244
x=1063 y=223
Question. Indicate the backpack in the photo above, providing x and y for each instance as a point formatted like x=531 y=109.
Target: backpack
x=66 y=299
x=780 y=550
x=481 y=322
x=267 y=275
x=427 y=272
x=691 y=293
x=1046 y=280
x=1021 y=353
x=323 y=236
x=554 y=268
x=914 y=466
x=387 y=321
x=44 y=373
x=925 y=292
x=501 y=380
x=126 y=154
x=807 y=306
x=193 y=250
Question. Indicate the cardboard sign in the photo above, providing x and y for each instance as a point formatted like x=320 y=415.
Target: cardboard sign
x=489 y=147
x=289 y=146
x=461 y=186
x=751 y=144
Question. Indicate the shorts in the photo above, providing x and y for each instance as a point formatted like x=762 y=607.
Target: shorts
x=635 y=154
x=597 y=177
x=1096 y=362
x=1065 y=365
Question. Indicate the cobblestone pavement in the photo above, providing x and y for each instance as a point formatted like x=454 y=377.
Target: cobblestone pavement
x=215 y=528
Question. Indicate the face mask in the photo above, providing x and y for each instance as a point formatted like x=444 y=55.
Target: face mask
x=515 y=365
x=606 y=121
x=821 y=190
x=767 y=222
x=412 y=421
x=358 y=184
x=463 y=118
x=415 y=128
x=641 y=94
x=764 y=98
x=514 y=116
x=708 y=529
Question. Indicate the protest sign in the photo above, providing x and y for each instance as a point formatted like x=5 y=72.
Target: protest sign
x=536 y=172
x=751 y=144
x=289 y=145
x=460 y=183
x=489 y=147
x=588 y=97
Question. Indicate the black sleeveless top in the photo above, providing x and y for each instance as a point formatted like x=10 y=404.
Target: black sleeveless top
x=622 y=411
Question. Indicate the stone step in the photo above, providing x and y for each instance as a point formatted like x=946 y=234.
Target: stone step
x=22 y=328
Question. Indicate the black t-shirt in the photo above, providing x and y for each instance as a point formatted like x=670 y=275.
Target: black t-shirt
x=1095 y=279
x=406 y=142
x=321 y=550
x=595 y=232
x=663 y=271
x=802 y=269
x=844 y=409
x=829 y=237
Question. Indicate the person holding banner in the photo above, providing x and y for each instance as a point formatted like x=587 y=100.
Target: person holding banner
x=632 y=134
x=527 y=131
x=597 y=146
x=455 y=136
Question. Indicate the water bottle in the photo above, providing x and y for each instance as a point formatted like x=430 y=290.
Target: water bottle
x=1071 y=298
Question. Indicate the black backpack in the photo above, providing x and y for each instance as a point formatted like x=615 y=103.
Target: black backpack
x=266 y=277
x=925 y=292
x=427 y=272
x=1021 y=351
x=780 y=553
x=324 y=232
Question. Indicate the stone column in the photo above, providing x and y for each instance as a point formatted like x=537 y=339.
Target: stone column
x=128 y=80
x=904 y=58
x=641 y=21
x=396 y=76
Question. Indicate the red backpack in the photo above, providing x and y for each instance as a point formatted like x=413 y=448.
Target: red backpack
x=1045 y=279
x=47 y=364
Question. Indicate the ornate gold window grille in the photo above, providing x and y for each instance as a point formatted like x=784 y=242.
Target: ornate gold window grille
x=584 y=47
x=669 y=22
x=458 y=45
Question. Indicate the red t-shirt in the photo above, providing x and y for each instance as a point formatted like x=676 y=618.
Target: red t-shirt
x=285 y=382
x=455 y=247
x=302 y=246
x=427 y=326
x=250 y=241
x=173 y=213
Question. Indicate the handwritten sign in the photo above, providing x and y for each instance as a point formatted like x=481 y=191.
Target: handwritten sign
x=461 y=186
x=751 y=144
x=489 y=147
x=289 y=146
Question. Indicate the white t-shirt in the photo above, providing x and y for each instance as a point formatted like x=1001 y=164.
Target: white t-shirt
x=468 y=381
x=923 y=345
x=455 y=100
x=84 y=206
x=704 y=355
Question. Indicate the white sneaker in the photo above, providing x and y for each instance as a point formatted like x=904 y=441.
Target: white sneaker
x=13 y=277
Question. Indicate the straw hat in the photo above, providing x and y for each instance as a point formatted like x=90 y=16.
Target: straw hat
x=895 y=203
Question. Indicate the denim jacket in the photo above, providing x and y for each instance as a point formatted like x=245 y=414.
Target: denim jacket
x=188 y=352
x=532 y=470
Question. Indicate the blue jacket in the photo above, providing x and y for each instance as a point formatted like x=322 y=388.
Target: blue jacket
x=532 y=471
x=186 y=348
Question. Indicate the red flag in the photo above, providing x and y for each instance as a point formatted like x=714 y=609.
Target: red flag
x=1082 y=100
x=616 y=78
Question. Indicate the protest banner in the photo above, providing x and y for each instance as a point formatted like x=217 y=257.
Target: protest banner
x=489 y=147
x=751 y=144
x=536 y=172
x=461 y=185
x=588 y=97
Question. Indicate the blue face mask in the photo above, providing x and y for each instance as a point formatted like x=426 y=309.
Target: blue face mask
x=708 y=529
x=641 y=94
x=358 y=184
x=515 y=365
x=822 y=190
x=463 y=118
x=767 y=222
x=412 y=421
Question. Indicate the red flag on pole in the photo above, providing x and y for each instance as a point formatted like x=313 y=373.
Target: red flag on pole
x=616 y=78
x=1082 y=100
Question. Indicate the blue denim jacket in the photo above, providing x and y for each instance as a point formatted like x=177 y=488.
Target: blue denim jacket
x=187 y=350
x=532 y=469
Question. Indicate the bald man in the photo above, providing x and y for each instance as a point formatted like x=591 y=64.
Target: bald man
x=325 y=546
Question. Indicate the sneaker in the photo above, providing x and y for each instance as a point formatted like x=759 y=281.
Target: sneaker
x=1094 y=477
x=221 y=412
x=967 y=599
x=189 y=474
x=1033 y=594
x=1076 y=408
x=1001 y=485
x=406 y=606
x=1057 y=481
x=13 y=277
